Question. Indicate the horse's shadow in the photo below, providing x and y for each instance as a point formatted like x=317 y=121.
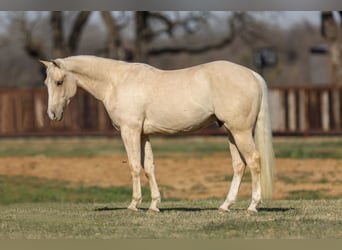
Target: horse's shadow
x=186 y=209
x=198 y=209
x=104 y=209
x=276 y=209
x=181 y=209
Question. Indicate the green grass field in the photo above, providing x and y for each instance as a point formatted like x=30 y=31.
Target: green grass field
x=70 y=147
x=177 y=220
x=34 y=208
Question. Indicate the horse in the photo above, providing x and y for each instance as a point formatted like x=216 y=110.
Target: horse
x=142 y=100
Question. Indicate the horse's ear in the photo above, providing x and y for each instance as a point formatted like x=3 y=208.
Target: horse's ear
x=46 y=63
x=58 y=63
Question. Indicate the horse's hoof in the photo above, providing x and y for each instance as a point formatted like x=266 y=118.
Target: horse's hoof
x=133 y=209
x=252 y=211
x=223 y=210
x=153 y=210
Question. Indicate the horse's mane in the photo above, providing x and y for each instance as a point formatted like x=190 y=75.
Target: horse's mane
x=91 y=66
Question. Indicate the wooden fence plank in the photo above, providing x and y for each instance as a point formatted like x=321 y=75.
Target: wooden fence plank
x=292 y=110
x=7 y=114
x=336 y=107
x=303 y=114
x=325 y=110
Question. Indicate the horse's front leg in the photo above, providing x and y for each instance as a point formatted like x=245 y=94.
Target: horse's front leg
x=132 y=141
x=148 y=165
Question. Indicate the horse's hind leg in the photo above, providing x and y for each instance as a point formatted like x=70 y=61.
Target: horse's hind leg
x=239 y=169
x=148 y=165
x=249 y=155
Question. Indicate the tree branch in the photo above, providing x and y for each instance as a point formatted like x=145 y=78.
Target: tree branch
x=113 y=41
x=328 y=26
x=77 y=29
x=160 y=17
x=56 y=21
x=191 y=50
x=33 y=47
x=331 y=32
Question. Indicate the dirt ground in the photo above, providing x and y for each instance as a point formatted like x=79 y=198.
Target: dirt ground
x=181 y=175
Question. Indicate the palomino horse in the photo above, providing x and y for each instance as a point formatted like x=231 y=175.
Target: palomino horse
x=143 y=100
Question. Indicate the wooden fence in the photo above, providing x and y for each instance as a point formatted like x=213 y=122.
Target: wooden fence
x=306 y=110
x=23 y=113
x=294 y=110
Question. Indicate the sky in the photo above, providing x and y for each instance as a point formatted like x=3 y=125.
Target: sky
x=287 y=18
x=296 y=16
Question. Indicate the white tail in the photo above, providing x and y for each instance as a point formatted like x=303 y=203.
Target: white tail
x=263 y=140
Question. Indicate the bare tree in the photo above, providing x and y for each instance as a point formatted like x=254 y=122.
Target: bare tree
x=150 y=26
x=332 y=32
x=113 y=41
x=115 y=47
x=239 y=24
x=63 y=47
x=164 y=39
x=25 y=26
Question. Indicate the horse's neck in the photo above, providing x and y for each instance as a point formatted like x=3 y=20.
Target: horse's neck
x=90 y=78
x=94 y=87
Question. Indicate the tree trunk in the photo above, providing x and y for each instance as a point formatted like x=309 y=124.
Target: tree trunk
x=76 y=32
x=113 y=41
x=141 y=31
x=332 y=33
x=59 y=48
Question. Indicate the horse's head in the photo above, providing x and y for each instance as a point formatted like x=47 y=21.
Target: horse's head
x=61 y=87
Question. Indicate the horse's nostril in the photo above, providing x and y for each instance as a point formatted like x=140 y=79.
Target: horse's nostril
x=52 y=115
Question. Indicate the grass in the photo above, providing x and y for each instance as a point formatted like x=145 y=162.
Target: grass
x=308 y=147
x=25 y=189
x=34 y=208
x=309 y=194
x=201 y=146
x=22 y=189
x=57 y=147
x=178 y=219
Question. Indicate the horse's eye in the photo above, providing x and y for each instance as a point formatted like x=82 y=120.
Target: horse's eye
x=59 y=83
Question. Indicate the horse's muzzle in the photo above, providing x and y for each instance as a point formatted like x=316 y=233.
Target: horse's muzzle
x=55 y=116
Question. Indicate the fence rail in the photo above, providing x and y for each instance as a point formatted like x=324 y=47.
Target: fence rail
x=306 y=110
x=294 y=110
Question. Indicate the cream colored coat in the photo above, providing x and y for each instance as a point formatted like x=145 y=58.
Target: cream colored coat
x=143 y=100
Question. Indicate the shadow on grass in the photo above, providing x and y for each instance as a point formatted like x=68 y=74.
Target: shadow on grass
x=187 y=209
x=276 y=209
x=103 y=209
x=266 y=209
x=181 y=209
x=197 y=209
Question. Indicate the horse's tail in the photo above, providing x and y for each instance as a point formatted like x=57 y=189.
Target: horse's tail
x=263 y=139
